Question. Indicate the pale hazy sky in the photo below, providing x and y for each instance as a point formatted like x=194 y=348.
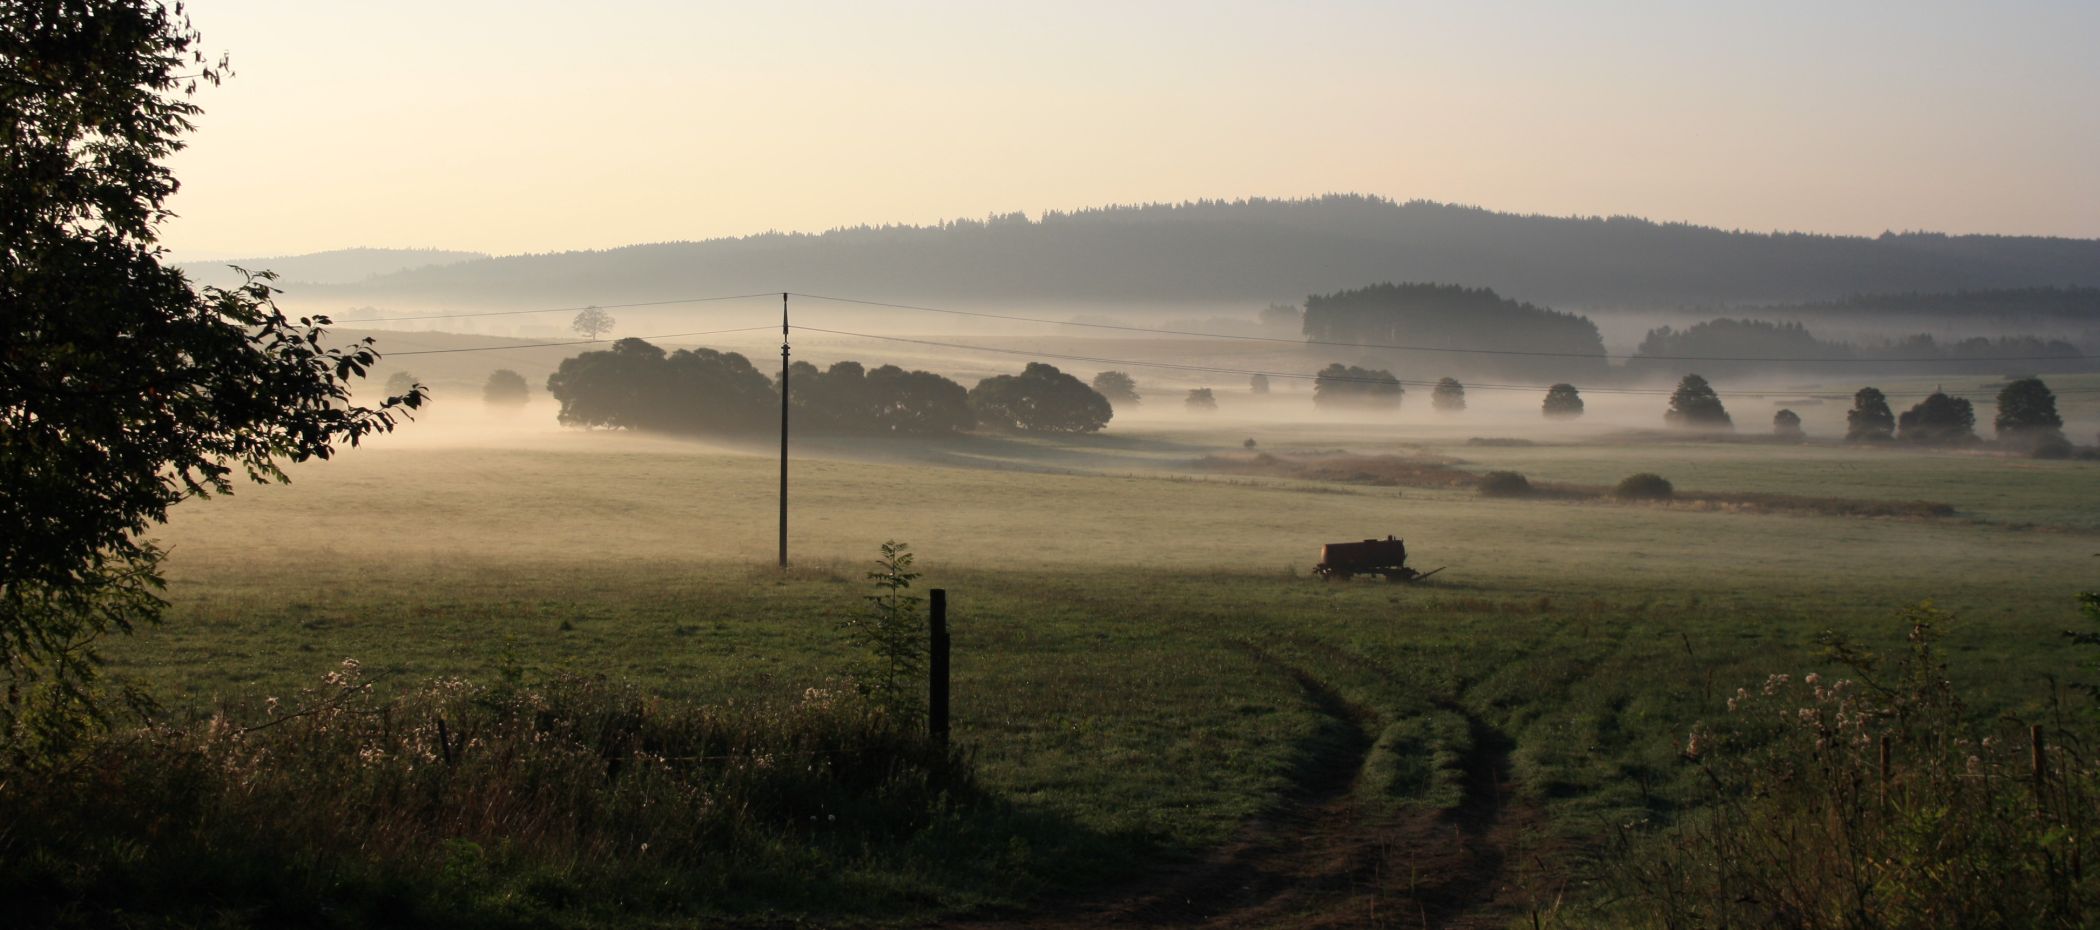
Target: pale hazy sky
x=541 y=126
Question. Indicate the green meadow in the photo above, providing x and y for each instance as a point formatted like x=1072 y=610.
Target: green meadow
x=1142 y=657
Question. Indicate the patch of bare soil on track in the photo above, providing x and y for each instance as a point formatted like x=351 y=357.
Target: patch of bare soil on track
x=1323 y=860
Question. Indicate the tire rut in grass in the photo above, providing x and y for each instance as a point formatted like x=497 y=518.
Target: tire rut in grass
x=1292 y=857
x=1321 y=859
x=1455 y=868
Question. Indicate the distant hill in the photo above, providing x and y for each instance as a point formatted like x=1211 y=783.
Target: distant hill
x=1251 y=252
x=341 y=266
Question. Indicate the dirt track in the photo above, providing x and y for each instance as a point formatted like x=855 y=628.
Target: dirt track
x=1322 y=861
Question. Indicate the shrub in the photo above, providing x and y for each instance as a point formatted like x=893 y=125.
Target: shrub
x=1504 y=484
x=1201 y=400
x=2051 y=447
x=1646 y=486
x=1786 y=424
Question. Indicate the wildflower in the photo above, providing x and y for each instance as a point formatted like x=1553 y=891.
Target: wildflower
x=1773 y=684
x=1696 y=743
x=1811 y=678
x=1975 y=767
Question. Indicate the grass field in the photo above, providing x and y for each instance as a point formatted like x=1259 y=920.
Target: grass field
x=1141 y=655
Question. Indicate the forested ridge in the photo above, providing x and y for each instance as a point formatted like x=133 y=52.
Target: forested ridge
x=1261 y=250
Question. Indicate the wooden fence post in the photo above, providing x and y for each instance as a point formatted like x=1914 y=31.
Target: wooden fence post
x=2040 y=752
x=937 y=669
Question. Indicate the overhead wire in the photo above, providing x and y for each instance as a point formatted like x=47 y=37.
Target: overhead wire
x=578 y=342
x=625 y=306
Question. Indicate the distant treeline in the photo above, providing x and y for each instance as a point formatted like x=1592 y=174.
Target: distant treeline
x=703 y=392
x=2079 y=306
x=1730 y=339
x=1259 y=250
x=1451 y=317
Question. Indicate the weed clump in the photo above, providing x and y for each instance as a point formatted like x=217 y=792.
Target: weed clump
x=1504 y=484
x=455 y=801
x=1873 y=800
x=1645 y=486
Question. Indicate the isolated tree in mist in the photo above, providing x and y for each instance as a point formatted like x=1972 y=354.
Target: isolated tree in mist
x=1449 y=396
x=123 y=390
x=1870 y=418
x=505 y=388
x=592 y=322
x=1786 y=424
x=2027 y=416
x=1340 y=385
x=1938 y=420
x=1118 y=387
x=1201 y=400
x=400 y=383
x=1040 y=399
x=1694 y=405
x=1258 y=384
x=1562 y=402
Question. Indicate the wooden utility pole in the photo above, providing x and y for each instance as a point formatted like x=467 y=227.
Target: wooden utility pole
x=783 y=430
x=937 y=668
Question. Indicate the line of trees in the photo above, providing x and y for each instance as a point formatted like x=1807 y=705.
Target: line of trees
x=1340 y=385
x=1725 y=339
x=636 y=385
x=2026 y=421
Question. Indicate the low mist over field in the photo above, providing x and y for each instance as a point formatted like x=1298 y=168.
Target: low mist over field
x=994 y=466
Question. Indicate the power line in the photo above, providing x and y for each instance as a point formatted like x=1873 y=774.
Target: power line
x=577 y=342
x=627 y=306
x=1416 y=348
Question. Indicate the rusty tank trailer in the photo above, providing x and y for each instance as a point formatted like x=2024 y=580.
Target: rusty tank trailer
x=1386 y=557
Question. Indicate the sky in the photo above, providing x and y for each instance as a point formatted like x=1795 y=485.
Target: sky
x=525 y=126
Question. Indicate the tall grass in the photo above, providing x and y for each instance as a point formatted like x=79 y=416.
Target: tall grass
x=460 y=803
x=1874 y=801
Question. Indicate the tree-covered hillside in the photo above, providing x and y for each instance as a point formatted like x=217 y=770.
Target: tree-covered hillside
x=1258 y=251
